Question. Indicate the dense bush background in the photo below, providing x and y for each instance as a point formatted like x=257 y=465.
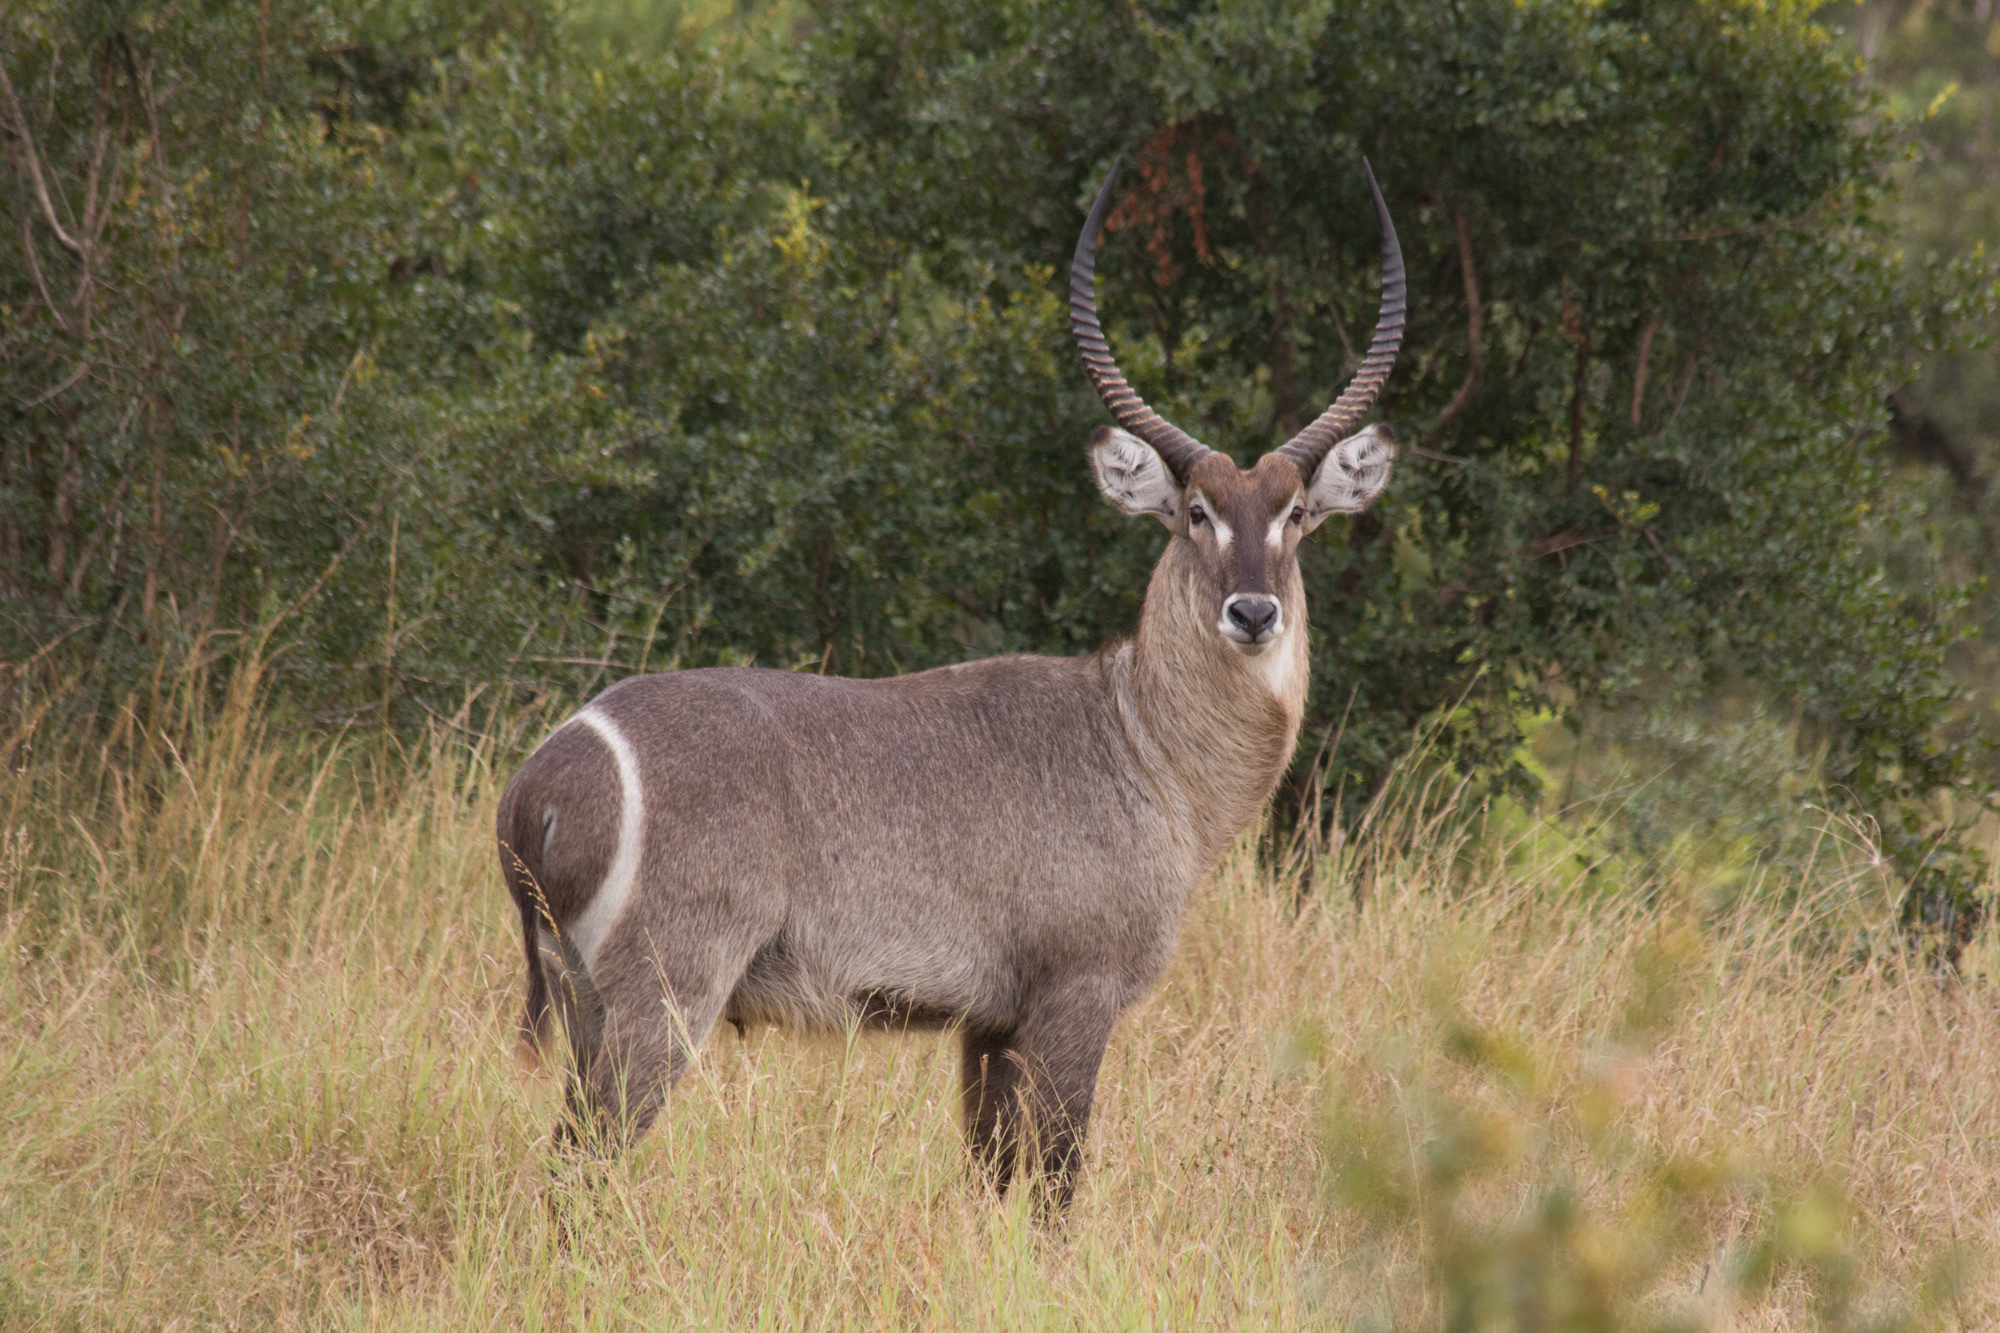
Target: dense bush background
x=460 y=346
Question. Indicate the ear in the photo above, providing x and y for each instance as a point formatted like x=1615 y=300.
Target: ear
x=1132 y=476
x=1352 y=474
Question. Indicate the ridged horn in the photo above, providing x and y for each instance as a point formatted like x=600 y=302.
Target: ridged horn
x=1335 y=424
x=1179 y=450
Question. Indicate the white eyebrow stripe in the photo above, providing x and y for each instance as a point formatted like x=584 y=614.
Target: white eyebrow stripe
x=1223 y=536
x=1275 y=534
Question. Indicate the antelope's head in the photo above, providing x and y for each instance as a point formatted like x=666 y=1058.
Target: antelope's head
x=1237 y=532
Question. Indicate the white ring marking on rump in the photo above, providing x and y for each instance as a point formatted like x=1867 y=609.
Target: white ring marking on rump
x=590 y=928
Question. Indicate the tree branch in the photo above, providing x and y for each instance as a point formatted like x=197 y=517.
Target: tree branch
x=35 y=271
x=105 y=524
x=1475 y=348
x=1284 y=363
x=1639 y=376
x=1917 y=436
x=82 y=369
x=142 y=88
x=100 y=144
x=116 y=179
x=1560 y=542
x=95 y=186
x=1284 y=357
x=1576 y=405
x=1687 y=383
x=33 y=163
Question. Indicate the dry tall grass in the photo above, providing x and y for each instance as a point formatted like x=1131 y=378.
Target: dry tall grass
x=257 y=1069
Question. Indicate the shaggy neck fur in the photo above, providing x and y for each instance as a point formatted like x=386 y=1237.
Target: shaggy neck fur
x=1213 y=727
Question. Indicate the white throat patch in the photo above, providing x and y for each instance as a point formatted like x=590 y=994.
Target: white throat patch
x=1277 y=667
x=589 y=930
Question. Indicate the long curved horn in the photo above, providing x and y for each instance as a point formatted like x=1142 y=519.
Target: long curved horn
x=1335 y=424
x=1179 y=450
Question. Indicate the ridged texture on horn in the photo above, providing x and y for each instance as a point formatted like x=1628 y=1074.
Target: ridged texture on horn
x=1338 y=422
x=1179 y=450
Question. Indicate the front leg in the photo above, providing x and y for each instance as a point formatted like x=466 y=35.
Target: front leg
x=1060 y=1044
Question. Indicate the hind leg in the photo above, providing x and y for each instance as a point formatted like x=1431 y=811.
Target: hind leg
x=990 y=1082
x=654 y=1008
x=576 y=1002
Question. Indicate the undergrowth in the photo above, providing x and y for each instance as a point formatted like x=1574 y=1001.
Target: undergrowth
x=258 y=1069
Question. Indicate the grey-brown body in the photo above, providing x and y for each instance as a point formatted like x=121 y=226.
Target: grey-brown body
x=1005 y=846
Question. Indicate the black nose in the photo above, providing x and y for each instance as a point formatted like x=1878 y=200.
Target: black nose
x=1253 y=617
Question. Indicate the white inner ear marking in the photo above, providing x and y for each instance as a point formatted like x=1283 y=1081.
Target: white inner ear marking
x=589 y=930
x=1352 y=475
x=1132 y=476
x=1223 y=534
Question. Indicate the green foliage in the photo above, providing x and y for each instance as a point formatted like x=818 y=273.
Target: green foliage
x=229 y=401
x=460 y=346
x=1939 y=67
x=1437 y=1163
x=1686 y=178
x=1739 y=795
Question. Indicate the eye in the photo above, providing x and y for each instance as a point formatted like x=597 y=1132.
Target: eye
x=1197 y=515
x=1298 y=513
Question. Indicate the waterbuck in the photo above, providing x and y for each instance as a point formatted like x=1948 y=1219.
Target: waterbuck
x=1003 y=847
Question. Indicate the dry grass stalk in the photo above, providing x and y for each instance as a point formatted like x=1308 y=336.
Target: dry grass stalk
x=259 y=1070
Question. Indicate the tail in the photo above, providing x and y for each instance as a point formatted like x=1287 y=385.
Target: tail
x=520 y=858
x=535 y=1014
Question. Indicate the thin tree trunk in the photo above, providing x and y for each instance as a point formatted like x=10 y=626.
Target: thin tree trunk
x=63 y=512
x=1576 y=406
x=10 y=531
x=222 y=535
x=156 y=545
x=1639 y=375
x=1284 y=363
x=1475 y=349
